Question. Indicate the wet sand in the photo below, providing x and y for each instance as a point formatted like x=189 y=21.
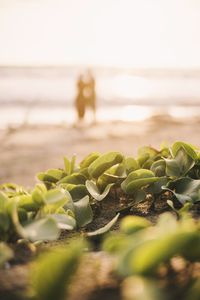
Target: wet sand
x=26 y=150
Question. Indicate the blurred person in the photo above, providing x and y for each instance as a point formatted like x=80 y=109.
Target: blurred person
x=80 y=99
x=86 y=95
x=91 y=93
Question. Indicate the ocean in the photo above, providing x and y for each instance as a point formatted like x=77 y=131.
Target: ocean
x=45 y=95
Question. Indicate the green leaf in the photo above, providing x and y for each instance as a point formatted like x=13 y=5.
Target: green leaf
x=75 y=178
x=3 y=201
x=5 y=253
x=73 y=163
x=105 y=228
x=43 y=229
x=64 y=221
x=147 y=256
x=51 y=273
x=139 y=196
x=117 y=170
x=158 y=167
x=107 y=178
x=152 y=152
x=185 y=189
x=69 y=165
x=56 y=173
x=26 y=202
x=132 y=224
x=157 y=187
x=22 y=215
x=189 y=149
x=38 y=194
x=94 y=191
x=180 y=165
x=138 y=179
x=56 y=196
x=142 y=159
x=86 y=162
x=103 y=163
x=76 y=191
x=42 y=176
x=83 y=212
x=131 y=164
x=4 y=222
x=172 y=168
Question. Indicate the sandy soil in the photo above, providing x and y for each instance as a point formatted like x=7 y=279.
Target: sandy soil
x=26 y=150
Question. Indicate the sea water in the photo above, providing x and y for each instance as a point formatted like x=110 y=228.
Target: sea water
x=45 y=95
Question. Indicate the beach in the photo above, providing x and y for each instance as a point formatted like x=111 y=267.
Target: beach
x=29 y=149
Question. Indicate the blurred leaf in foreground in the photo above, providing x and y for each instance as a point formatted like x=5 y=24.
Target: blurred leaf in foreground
x=5 y=253
x=52 y=272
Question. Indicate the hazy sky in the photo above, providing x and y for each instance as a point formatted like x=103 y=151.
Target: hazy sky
x=135 y=33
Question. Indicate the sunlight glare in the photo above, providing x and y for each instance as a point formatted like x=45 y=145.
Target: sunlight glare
x=129 y=87
x=135 y=113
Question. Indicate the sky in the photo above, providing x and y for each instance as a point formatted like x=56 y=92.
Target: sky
x=120 y=33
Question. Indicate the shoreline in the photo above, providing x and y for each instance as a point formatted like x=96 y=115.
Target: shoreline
x=15 y=116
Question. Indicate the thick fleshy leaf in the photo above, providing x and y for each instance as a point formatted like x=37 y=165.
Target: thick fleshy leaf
x=56 y=173
x=117 y=170
x=142 y=159
x=69 y=165
x=42 y=176
x=38 y=194
x=11 y=210
x=183 y=210
x=131 y=164
x=105 y=179
x=152 y=152
x=138 y=184
x=86 y=162
x=179 y=165
x=185 y=189
x=94 y=191
x=138 y=179
x=64 y=221
x=3 y=201
x=105 y=228
x=26 y=202
x=83 y=212
x=157 y=187
x=172 y=168
x=43 y=229
x=189 y=149
x=75 y=178
x=103 y=163
x=139 y=196
x=159 y=167
x=54 y=199
x=76 y=191
x=56 y=196
x=4 y=222
x=22 y=215
x=73 y=164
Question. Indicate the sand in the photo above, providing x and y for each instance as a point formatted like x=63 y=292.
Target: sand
x=26 y=150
